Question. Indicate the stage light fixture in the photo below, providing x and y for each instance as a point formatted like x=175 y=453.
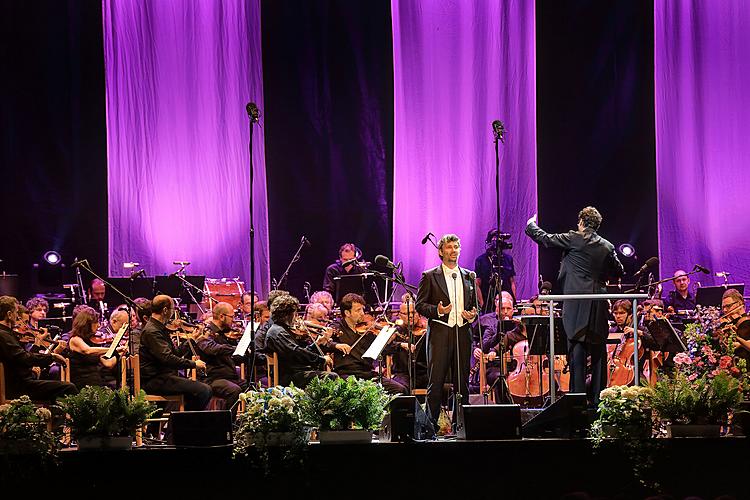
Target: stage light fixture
x=52 y=258
x=627 y=250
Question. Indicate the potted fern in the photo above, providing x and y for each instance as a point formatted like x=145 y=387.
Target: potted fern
x=101 y=418
x=344 y=410
x=25 y=430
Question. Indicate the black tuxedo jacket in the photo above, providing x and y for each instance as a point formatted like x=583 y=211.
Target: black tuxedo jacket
x=433 y=289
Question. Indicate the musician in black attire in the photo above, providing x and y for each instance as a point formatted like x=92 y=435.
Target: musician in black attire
x=88 y=366
x=400 y=366
x=733 y=309
x=588 y=262
x=446 y=298
x=18 y=363
x=299 y=362
x=680 y=299
x=351 y=362
x=218 y=353
x=160 y=360
x=347 y=255
x=483 y=268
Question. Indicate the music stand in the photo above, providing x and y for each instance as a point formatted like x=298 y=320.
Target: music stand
x=142 y=287
x=537 y=333
x=243 y=346
x=377 y=346
x=711 y=295
x=665 y=336
x=116 y=341
x=354 y=283
x=173 y=286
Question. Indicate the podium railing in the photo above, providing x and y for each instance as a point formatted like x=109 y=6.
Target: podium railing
x=552 y=299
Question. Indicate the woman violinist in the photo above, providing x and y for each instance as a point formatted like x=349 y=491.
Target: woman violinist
x=87 y=360
x=733 y=310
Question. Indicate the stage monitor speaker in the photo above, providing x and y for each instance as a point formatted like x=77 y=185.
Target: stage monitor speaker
x=489 y=422
x=406 y=421
x=566 y=418
x=201 y=428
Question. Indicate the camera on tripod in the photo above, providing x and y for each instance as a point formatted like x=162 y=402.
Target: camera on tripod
x=492 y=242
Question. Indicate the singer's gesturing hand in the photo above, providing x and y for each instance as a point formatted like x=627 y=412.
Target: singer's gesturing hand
x=443 y=310
x=469 y=315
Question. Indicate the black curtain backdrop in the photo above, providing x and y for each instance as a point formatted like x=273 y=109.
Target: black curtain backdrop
x=595 y=121
x=53 y=153
x=328 y=91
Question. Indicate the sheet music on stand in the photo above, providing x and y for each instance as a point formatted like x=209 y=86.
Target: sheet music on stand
x=244 y=344
x=377 y=346
x=665 y=336
x=116 y=341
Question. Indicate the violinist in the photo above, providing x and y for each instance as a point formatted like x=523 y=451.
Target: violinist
x=400 y=369
x=352 y=347
x=733 y=310
x=38 y=340
x=325 y=298
x=18 y=363
x=299 y=361
x=245 y=306
x=260 y=335
x=38 y=308
x=261 y=313
x=143 y=312
x=160 y=359
x=217 y=350
x=87 y=361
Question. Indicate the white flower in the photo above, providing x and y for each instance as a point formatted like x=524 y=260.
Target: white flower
x=43 y=413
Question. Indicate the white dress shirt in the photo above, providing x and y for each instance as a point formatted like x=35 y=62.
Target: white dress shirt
x=454 y=287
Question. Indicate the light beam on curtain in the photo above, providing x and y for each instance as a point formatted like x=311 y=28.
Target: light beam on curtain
x=702 y=70
x=178 y=76
x=457 y=67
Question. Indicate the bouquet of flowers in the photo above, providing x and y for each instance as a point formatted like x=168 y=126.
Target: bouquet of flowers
x=623 y=412
x=271 y=416
x=24 y=427
x=710 y=349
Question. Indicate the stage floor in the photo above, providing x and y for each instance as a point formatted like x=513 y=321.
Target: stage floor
x=528 y=468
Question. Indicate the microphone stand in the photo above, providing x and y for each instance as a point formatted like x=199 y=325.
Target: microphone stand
x=295 y=258
x=458 y=397
x=498 y=133
x=130 y=305
x=253 y=114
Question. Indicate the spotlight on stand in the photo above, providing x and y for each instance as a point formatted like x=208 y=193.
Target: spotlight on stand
x=53 y=258
x=627 y=250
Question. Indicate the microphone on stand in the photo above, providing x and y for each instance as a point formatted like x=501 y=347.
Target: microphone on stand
x=181 y=263
x=427 y=238
x=384 y=261
x=141 y=272
x=305 y=241
x=498 y=129
x=653 y=261
x=721 y=274
x=252 y=112
x=702 y=269
x=79 y=262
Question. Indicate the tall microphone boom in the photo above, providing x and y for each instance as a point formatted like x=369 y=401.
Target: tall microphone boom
x=653 y=261
x=498 y=129
x=253 y=112
x=426 y=238
x=384 y=261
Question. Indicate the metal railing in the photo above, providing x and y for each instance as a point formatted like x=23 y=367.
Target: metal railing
x=589 y=296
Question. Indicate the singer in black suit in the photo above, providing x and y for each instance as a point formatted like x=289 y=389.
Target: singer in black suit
x=446 y=298
x=588 y=262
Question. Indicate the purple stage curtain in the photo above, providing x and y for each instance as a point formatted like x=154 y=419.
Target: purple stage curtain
x=178 y=76
x=702 y=84
x=457 y=67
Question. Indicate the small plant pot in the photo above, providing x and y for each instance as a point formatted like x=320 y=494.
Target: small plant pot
x=352 y=436
x=273 y=439
x=693 y=430
x=626 y=431
x=98 y=443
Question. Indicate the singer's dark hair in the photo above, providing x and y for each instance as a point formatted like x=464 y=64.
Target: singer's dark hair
x=349 y=300
x=283 y=308
x=590 y=217
x=448 y=238
x=7 y=304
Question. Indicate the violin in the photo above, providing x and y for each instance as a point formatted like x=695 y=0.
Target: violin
x=38 y=336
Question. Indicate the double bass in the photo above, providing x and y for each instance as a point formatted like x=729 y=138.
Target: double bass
x=620 y=366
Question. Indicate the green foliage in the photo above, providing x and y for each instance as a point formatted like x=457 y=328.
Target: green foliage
x=624 y=412
x=338 y=404
x=103 y=412
x=705 y=400
x=23 y=422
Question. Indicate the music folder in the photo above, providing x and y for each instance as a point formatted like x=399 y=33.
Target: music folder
x=244 y=344
x=377 y=346
x=116 y=341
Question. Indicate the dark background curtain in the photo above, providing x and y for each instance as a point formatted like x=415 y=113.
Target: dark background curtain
x=595 y=121
x=328 y=85
x=53 y=156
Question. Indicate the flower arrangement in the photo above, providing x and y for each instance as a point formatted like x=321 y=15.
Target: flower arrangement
x=25 y=427
x=623 y=412
x=338 y=404
x=710 y=350
x=268 y=415
x=103 y=412
x=707 y=399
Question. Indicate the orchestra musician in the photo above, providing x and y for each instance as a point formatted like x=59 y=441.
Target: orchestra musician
x=160 y=359
x=245 y=306
x=588 y=262
x=260 y=335
x=299 y=361
x=680 y=299
x=38 y=308
x=345 y=265
x=261 y=313
x=349 y=362
x=87 y=361
x=733 y=310
x=143 y=312
x=18 y=363
x=97 y=291
x=446 y=298
x=400 y=368
x=325 y=298
x=483 y=268
x=218 y=353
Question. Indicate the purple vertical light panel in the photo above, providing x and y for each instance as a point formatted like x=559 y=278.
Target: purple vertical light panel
x=457 y=67
x=178 y=77
x=702 y=85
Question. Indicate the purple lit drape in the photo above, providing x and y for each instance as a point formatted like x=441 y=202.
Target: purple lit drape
x=458 y=66
x=702 y=73
x=178 y=76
